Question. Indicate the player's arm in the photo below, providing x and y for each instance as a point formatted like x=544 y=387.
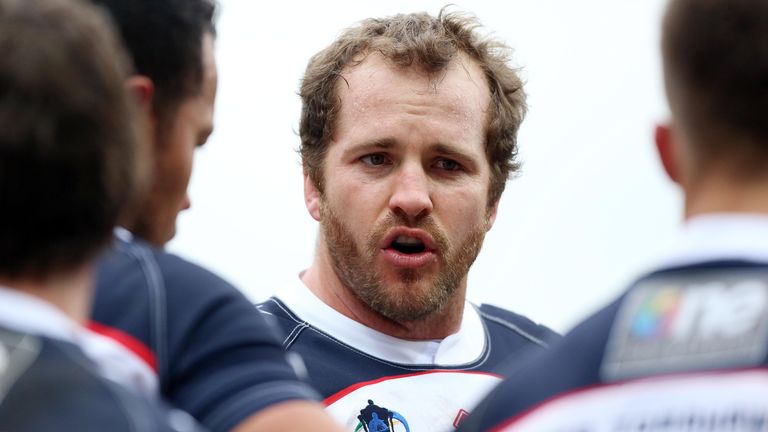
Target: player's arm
x=225 y=364
x=292 y=416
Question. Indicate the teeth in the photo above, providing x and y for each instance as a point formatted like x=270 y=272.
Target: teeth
x=408 y=240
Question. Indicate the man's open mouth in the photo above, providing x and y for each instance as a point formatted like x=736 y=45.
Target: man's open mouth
x=408 y=245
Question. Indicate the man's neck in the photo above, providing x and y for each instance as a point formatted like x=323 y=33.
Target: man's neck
x=70 y=292
x=722 y=195
x=324 y=283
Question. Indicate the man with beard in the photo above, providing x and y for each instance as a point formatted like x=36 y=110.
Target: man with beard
x=685 y=347
x=408 y=134
x=211 y=355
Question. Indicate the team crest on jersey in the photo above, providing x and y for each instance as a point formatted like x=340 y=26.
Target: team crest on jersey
x=374 y=418
x=697 y=321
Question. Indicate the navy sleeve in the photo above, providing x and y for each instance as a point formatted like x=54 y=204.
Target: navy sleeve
x=571 y=362
x=217 y=358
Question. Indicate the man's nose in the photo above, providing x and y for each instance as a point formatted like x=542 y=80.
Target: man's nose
x=411 y=194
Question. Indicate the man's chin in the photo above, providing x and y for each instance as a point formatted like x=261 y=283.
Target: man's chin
x=166 y=237
x=154 y=236
x=402 y=307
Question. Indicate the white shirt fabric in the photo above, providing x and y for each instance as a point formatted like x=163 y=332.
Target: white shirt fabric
x=28 y=314
x=462 y=347
x=717 y=236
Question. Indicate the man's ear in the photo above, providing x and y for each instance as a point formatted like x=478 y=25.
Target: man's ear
x=492 y=215
x=142 y=89
x=311 y=197
x=665 y=147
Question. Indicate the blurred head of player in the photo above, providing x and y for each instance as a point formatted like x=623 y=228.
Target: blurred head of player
x=715 y=56
x=171 y=45
x=68 y=142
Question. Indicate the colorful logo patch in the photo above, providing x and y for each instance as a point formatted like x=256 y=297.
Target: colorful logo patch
x=690 y=321
x=656 y=315
x=374 y=418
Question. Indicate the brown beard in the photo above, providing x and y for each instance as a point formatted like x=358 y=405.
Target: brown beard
x=415 y=298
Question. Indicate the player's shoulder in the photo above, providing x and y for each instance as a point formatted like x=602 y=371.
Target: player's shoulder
x=137 y=264
x=280 y=316
x=158 y=297
x=41 y=374
x=276 y=307
x=675 y=320
x=505 y=322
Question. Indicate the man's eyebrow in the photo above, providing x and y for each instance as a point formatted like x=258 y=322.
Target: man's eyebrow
x=378 y=144
x=452 y=151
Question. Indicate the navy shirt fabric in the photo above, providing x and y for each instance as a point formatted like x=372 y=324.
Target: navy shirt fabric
x=215 y=355
x=584 y=362
x=49 y=385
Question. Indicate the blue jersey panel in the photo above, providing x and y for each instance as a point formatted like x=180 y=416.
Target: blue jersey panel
x=685 y=327
x=216 y=356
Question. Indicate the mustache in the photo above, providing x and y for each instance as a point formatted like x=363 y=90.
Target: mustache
x=394 y=220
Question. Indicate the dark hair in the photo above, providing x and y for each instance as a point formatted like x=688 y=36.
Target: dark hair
x=164 y=39
x=716 y=70
x=68 y=154
x=414 y=40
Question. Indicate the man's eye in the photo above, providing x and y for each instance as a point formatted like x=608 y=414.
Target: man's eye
x=448 y=165
x=374 y=159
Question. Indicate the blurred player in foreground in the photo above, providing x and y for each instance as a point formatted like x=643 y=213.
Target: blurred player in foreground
x=685 y=347
x=212 y=354
x=69 y=165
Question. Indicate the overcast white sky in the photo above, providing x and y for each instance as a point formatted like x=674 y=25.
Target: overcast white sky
x=589 y=212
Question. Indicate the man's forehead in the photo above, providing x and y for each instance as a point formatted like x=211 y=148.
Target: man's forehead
x=374 y=81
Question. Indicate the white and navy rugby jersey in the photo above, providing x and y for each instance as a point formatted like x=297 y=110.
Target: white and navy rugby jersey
x=214 y=355
x=685 y=348
x=49 y=383
x=374 y=382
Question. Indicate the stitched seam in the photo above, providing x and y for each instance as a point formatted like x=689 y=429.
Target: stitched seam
x=287 y=311
x=294 y=334
x=157 y=302
x=297 y=330
x=290 y=335
x=514 y=328
x=488 y=342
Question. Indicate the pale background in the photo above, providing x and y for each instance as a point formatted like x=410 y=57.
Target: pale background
x=589 y=212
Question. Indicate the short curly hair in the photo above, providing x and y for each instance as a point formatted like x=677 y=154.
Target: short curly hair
x=415 y=40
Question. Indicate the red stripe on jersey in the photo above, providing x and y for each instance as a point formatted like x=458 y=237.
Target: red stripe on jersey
x=126 y=340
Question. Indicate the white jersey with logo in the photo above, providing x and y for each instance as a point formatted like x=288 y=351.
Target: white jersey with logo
x=373 y=382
